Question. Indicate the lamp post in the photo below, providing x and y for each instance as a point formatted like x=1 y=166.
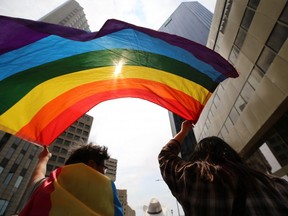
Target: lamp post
x=176 y=201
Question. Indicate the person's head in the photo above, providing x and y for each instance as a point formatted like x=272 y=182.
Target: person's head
x=215 y=150
x=91 y=155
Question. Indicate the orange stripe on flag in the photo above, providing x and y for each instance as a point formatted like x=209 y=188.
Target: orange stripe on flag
x=73 y=103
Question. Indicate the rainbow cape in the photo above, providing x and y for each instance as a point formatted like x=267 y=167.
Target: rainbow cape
x=66 y=192
x=51 y=75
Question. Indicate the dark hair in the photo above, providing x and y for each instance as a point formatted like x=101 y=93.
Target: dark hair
x=211 y=153
x=87 y=152
x=214 y=150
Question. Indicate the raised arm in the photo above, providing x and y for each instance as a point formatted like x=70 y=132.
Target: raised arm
x=40 y=170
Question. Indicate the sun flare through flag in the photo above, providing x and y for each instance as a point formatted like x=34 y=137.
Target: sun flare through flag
x=51 y=75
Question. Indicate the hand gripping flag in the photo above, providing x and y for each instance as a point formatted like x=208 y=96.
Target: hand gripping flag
x=75 y=189
x=51 y=75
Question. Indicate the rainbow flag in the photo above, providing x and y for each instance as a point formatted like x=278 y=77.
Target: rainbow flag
x=51 y=75
x=66 y=192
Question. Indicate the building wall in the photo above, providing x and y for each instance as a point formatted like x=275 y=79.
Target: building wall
x=18 y=158
x=69 y=14
x=122 y=193
x=111 y=172
x=78 y=132
x=190 y=20
x=248 y=110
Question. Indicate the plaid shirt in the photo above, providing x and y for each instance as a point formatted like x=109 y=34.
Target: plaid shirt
x=218 y=197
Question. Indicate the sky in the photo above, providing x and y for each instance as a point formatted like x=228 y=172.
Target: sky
x=134 y=130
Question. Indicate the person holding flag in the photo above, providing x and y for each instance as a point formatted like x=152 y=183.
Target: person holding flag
x=78 y=188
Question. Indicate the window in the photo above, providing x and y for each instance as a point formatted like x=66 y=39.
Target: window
x=61 y=160
x=241 y=35
x=253 y=4
x=34 y=149
x=247 y=91
x=4 y=162
x=8 y=178
x=255 y=77
x=19 y=158
x=10 y=153
x=59 y=140
x=72 y=128
x=234 y=55
x=64 y=151
x=3 y=206
x=234 y=115
x=23 y=172
x=78 y=131
x=4 y=139
x=228 y=123
x=278 y=37
x=53 y=158
x=56 y=149
x=67 y=143
x=284 y=15
x=18 y=181
x=26 y=145
x=70 y=135
x=240 y=104
x=265 y=59
x=247 y=18
x=27 y=164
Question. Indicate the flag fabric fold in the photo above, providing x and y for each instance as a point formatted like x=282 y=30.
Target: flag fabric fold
x=51 y=75
x=75 y=189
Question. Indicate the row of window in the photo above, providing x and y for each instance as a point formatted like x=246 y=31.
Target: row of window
x=274 y=43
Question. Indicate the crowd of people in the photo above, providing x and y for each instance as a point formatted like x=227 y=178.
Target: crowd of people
x=214 y=181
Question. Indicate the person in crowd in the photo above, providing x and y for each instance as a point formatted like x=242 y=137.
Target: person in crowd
x=154 y=208
x=77 y=188
x=215 y=181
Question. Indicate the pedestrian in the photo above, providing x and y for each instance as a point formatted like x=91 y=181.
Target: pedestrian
x=154 y=208
x=78 y=188
x=215 y=181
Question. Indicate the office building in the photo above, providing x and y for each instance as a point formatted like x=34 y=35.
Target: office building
x=18 y=159
x=190 y=20
x=111 y=172
x=78 y=132
x=251 y=111
x=122 y=193
x=69 y=14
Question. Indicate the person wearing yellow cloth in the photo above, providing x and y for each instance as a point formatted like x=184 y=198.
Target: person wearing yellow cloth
x=78 y=188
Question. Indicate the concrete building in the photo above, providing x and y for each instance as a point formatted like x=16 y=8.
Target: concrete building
x=122 y=193
x=70 y=14
x=111 y=172
x=251 y=111
x=18 y=159
x=79 y=131
x=190 y=20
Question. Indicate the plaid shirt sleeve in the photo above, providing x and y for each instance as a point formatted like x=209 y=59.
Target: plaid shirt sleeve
x=172 y=167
